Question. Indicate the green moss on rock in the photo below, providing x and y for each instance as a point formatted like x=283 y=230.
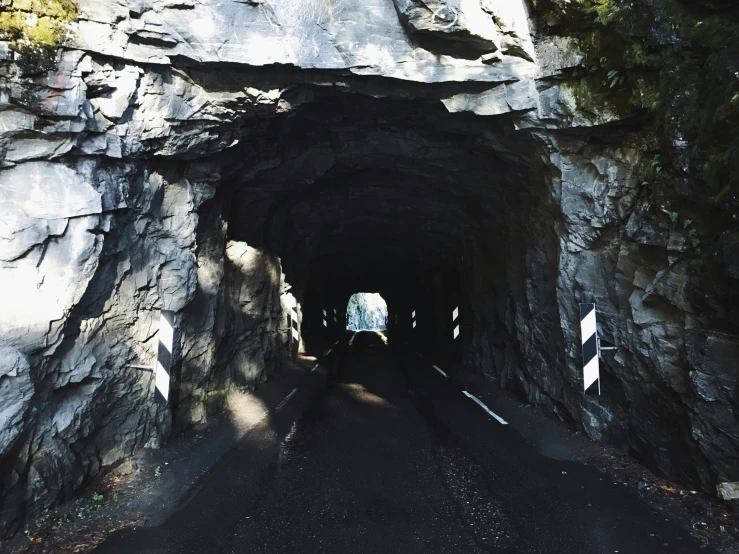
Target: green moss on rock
x=35 y=26
x=678 y=61
x=595 y=101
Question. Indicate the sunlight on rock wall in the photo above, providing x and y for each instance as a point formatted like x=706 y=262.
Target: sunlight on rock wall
x=366 y=311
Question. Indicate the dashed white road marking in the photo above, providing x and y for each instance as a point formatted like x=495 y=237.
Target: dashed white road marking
x=315 y=367
x=437 y=368
x=337 y=342
x=351 y=340
x=484 y=407
x=417 y=352
x=329 y=351
x=284 y=400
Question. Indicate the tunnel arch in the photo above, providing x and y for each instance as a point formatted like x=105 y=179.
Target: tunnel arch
x=400 y=197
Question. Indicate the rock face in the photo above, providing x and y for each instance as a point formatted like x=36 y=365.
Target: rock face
x=197 y=158
x=466 y=22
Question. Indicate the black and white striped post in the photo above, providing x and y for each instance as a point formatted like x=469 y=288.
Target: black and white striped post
x=164 y=357
x=324 y=319
x=294 y=335
x=413 y=318
x=455 y=317
x=591 y=347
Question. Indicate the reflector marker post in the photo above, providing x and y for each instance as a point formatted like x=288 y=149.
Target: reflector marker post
x=164 y=357
x=590 y=346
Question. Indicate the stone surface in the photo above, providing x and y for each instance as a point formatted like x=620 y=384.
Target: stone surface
x=230 y=160
x=728 y=491
x=34 y=198
x=520 y=96
x=465 y=21
x=362 y=37
x=16 y=391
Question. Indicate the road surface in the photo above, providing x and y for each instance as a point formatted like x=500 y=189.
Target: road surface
x=392 y=457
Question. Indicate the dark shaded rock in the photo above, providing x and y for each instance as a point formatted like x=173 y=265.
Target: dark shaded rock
x=16 y=391
x=644 y=228
x=729 y=251
x=706 y=386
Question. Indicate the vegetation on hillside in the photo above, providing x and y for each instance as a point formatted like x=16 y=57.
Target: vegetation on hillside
x=679 y=60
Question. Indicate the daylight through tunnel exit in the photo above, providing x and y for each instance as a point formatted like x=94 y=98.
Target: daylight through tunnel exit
x=366 y=311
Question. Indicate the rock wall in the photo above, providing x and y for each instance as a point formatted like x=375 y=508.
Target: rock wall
x=95 y=251
x=669 y=391
x=193 y=157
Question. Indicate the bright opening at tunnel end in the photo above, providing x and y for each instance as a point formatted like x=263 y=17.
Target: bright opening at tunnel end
x=366 y=311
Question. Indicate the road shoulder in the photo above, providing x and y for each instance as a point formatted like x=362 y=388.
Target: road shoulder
x=148 y=487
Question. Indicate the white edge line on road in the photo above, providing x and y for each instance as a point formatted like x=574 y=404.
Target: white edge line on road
x=484 y=407
x=284 y=400
x=351 y=340
x=437 y=368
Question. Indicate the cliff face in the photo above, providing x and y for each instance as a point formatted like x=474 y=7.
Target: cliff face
x=197 y=156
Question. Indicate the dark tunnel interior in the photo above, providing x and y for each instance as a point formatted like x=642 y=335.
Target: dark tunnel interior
x=400 y=197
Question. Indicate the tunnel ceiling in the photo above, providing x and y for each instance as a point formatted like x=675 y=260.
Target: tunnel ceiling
x=366 y=188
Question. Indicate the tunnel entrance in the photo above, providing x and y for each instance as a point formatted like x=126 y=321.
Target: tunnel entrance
x=431 y=209
x=366 y=311
x=482 y=236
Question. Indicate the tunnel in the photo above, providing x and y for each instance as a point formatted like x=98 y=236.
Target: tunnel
x=543 y=193
x=398 y=197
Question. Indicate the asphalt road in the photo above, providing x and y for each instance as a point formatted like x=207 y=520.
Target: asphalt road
x=393 y=458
